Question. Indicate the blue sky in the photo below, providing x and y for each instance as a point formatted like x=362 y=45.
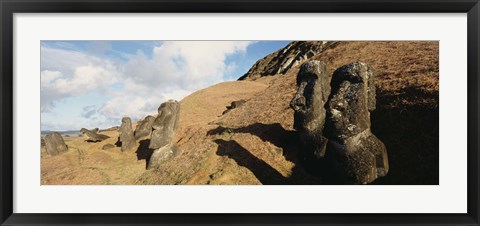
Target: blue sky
x=95 y=83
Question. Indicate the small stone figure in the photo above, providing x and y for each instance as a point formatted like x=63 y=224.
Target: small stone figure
x=126 y=134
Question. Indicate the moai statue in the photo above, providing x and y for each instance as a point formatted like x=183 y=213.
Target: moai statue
x=313 y=90
x=126 y=134
x=144 y=127
x=357 y=156
x=54 y=144
x=162 y=135
x=93 y=136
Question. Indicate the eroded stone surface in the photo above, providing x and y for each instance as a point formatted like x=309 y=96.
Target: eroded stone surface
x=126 y=134
x=54 y=144
x=308 y=103
x=144 y=127
x=162 y=155
x=162 y=136
x=165 y=124
x=357 y=156
x=93 y=136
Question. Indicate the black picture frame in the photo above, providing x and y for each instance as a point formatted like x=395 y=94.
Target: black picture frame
x=9 y=7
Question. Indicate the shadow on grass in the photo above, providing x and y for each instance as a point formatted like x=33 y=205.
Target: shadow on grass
x=143 y=152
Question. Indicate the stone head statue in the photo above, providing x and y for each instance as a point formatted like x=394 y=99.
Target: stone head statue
x=164 y=124
x=357 y=156
x=313 y=90
x=352 y=99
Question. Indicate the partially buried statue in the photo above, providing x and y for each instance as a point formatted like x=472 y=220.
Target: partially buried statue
x=358 y=156
x=126 y=136
x=163 y=127
x=309 y=117
x=334 y=128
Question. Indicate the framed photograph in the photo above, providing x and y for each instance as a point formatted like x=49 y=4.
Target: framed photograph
x=241 y=113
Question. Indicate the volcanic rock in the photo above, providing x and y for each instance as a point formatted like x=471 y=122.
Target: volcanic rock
x=357 y=156
x=144 y=127
x=126 y=134
x=308 y=103
x=93 y=136
x=54 y=144
x=162 y=135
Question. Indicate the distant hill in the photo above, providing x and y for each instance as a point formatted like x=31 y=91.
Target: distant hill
x=67 y=132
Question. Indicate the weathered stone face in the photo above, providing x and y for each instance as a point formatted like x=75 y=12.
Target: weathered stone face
x=313 y=90
x=165 y=124
x=357 y=156
x=54 y=144
x=93 y=136
x=126 y=134
x=144 y=127
x=308 y=104
x=162 y=136
x=352 y=99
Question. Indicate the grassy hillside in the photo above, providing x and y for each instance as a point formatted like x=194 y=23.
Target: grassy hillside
x=256 y=144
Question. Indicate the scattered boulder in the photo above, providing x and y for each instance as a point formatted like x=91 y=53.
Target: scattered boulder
x=54 y=144
x=126 y=134
x=93 y=136
x=162 y=136
x=144 y=127
x=308 y=103
x=108 y=146
x=233 y=105
x=357 y=156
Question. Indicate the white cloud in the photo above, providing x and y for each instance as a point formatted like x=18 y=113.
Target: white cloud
x=67 y=73
x=174 y=70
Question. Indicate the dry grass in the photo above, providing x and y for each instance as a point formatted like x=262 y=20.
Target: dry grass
x=256 y=144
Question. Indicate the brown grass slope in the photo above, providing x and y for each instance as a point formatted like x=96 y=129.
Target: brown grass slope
x=256 y=144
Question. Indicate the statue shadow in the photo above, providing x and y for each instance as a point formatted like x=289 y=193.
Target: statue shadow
x=144 y=152
x=278 y=136
x=264 y=172
x=91 y=141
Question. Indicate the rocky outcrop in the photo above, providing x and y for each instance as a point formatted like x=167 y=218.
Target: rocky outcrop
x=313 y=89
x=281 y=61
x=93 y=136
x=144 y=127
x=164 y=126
x=126 y=134
x=233 y=105
x=357 y=156
x=54 y=144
